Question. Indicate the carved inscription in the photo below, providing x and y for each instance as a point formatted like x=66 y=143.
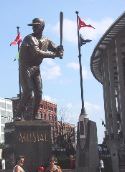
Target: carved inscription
x=32 y=137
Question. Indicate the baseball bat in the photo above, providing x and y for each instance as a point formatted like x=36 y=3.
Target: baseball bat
x=61 y=30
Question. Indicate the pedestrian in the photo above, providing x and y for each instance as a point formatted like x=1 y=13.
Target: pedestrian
x=101 y=165
x=19 y=165
x=3 y=164
x=34 y=48
x=53 y=167
x=41 y=168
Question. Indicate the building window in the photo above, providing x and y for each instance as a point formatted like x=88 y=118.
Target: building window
x=2 y=112
x=45 y=116
x=2 y=138
x=123 y=62
x=2 y=129
x=2 y=105
x=9 y=106
x=3 y=120
x=55 y=109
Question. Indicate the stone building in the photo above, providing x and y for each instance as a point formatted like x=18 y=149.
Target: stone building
x=6 y=115
x=108 y=67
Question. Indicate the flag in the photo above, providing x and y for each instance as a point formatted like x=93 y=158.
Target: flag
x=17 y=40
x=81 y=23
x=83 y=41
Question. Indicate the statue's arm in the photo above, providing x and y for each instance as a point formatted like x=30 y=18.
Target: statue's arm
x=58 y=49
x=37 y=52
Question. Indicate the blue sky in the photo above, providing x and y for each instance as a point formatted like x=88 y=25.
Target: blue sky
x=61 y=82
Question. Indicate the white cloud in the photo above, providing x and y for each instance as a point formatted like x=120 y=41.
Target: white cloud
x=93 y=111
x=91 y=108
x=85 y=71
x=73 y=65
x=66 y=113
x=48 y=98
x=50 y=70
x=70 y=29
x=69 y=105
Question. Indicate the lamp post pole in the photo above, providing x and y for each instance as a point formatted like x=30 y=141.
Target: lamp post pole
x=80 y=69
x=18 y=32
x=82 y=123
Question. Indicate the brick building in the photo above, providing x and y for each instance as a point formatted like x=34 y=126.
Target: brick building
x=6 y=115
x=48 y=110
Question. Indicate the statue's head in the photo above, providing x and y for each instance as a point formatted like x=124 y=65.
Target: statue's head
x=37 y=22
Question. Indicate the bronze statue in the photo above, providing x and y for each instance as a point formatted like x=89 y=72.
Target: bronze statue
x=34 y=48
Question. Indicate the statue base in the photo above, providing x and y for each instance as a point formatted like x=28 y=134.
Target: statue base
x=29 y=138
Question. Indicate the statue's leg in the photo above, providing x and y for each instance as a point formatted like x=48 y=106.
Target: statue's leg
x=37 y=87
x=26 y=95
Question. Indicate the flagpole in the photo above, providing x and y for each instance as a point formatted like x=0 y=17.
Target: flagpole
x=80 y=66
x=18 y=32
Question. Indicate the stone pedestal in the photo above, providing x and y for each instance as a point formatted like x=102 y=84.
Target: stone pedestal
x=87 y=154
x=29 y=138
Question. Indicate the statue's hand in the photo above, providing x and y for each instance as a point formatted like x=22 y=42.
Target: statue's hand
x=60 y=48
x=59 y=51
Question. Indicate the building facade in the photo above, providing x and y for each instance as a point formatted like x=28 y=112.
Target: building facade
x=6 y=115
x=108 y=67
